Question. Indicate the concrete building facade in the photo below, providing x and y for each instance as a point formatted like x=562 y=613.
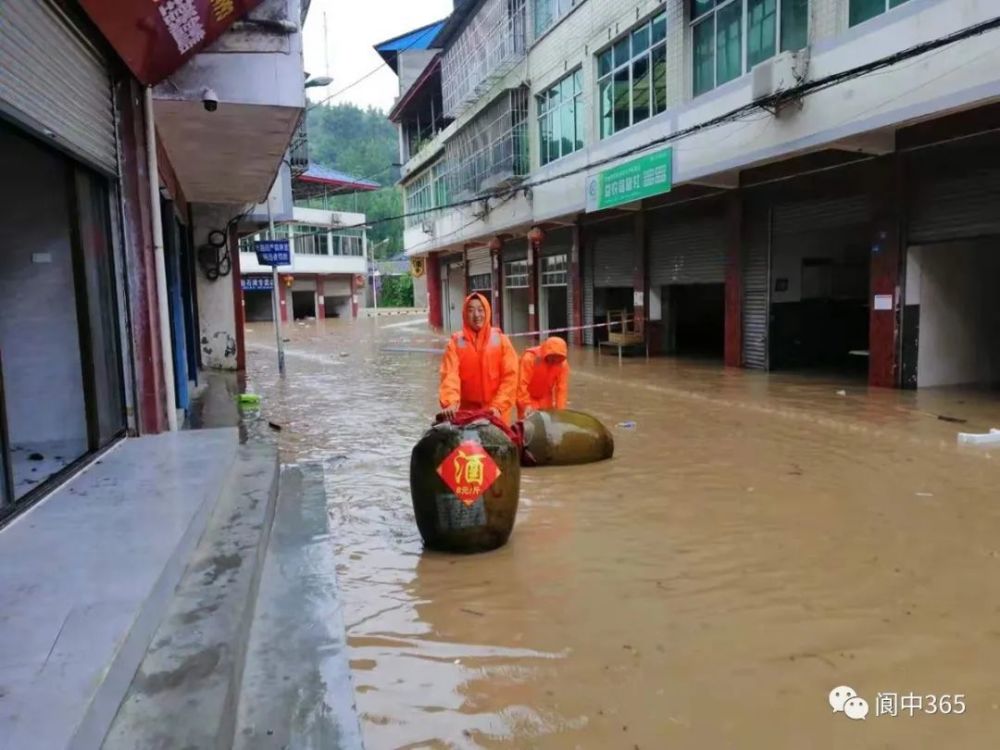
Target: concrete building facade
x=326 y=277
x=782 y=185
x=132 y=159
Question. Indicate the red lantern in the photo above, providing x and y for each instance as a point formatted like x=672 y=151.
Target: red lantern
x=496 y=245
x=535 y=237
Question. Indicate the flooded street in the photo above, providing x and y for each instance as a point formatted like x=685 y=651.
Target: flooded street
x=756 y=541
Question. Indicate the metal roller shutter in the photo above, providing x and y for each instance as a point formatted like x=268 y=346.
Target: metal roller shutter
x=557 y=242
x=515 y=250
x=479 y=261
x=756 y=290
x=587 y=259
x=613 y=263
x=956 y=193
x=54 y=81
x=820 y=215
x=691 y=251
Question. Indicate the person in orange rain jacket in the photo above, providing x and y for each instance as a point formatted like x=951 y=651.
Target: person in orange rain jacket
x=479 y=369
x=544 y=378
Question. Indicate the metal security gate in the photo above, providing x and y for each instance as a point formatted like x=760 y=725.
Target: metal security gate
x=480 y=269
x=756 y=288
x=820 y=215
x=613 y=263
x=587 y=262
x=53 y=81
x=955 y=193
x=687 y=251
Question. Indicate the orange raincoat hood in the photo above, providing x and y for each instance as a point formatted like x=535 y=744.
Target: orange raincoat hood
x=554 y=345
x=483 y=336
x=479 y=370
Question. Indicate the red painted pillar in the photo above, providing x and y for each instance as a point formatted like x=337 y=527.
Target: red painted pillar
x=151 y=416
x=320 y=299
x=434 y=312
x=734 y=281
x=640 y=279
x=576 y=288
x=496 y=252
x=283 y=297
x=886 y=269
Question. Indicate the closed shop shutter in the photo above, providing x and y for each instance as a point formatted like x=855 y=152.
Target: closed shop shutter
x=54 y=81
x=691 y=251
x=587 y=259
x=613 y=257
x=808 y=217
x=559 y=242
x=479 y=261
x=955 y=193
x=756 y=289
x=480 y=270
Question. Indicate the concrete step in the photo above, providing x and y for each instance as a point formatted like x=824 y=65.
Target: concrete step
x=297 y=690
x=185 y=692
x=87 y=577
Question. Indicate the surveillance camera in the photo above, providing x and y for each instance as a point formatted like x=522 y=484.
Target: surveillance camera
x=209 y=100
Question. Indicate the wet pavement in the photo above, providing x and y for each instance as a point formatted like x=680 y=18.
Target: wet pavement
x=757 y=541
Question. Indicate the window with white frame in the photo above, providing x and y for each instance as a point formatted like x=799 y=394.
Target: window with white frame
x=347 y=245
x=555 y=270
x=419 y=200
x=560 y=118
x=482 y=282
x=865 y=10
x=729 y=37
x=632 y=77
x=309 y=240
x=547 y=12
x=515 y=274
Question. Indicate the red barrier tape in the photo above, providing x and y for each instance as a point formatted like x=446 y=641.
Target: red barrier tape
x=550 y=331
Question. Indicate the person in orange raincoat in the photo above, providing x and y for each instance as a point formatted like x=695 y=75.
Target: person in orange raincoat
x=544 y=378
x=479 y=369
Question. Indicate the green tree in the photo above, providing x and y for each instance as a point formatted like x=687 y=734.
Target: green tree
x=396 y=291
x=364 y=144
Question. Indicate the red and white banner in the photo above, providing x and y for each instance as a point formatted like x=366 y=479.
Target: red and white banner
x=156 y=37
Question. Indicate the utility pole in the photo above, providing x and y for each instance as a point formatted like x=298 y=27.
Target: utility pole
x=275 y=304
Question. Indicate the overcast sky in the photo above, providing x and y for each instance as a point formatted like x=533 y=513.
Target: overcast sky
x=354 y=27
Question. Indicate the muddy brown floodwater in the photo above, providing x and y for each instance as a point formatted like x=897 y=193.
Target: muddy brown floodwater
x=756 y=541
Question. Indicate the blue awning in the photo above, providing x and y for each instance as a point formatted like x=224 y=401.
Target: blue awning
x=418 y=39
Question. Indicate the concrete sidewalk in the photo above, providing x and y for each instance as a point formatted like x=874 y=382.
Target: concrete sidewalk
x=297 y=690
x=87 y=575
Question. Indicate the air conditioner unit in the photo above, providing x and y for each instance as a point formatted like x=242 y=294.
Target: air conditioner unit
x=779 y=73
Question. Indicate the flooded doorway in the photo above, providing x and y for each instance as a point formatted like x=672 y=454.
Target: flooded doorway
x=454 y=296
x=554 y=293
x=820 y=267
x=303 y=305
x=693 y=320
x=258 y=306
x=608 y=302
x=516 y=296
x=952 y=314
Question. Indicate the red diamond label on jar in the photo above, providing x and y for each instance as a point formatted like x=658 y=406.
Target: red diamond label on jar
x=469 y=471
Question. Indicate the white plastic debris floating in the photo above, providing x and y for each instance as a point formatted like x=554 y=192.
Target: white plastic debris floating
x=971 y=438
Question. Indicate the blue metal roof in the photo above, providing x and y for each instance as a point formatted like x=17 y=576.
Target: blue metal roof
x=422 y=38
x=333 y=177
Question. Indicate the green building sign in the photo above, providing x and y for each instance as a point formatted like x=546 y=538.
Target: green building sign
x=632 y=181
